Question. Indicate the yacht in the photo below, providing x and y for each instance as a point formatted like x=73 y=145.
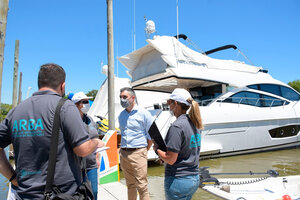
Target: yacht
x=244 y=109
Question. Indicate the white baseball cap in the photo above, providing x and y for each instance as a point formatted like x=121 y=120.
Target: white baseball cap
x=181 y=95
x=79 y=96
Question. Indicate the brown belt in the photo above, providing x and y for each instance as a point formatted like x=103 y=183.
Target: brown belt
x=131 y=149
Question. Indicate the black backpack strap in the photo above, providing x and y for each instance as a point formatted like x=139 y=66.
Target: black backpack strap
x=53 y=149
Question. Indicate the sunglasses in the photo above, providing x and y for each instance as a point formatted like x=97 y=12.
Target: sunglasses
x=84 y=102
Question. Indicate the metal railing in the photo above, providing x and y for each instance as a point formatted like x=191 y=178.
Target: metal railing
x=257 y=102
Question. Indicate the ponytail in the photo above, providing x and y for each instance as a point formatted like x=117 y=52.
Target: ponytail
x=194 y=114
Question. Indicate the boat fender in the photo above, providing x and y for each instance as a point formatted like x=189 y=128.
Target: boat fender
x=286 y=197
x=226 y=188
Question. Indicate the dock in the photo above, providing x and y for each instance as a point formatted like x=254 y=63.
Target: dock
x=112 y=191
x=108 y=191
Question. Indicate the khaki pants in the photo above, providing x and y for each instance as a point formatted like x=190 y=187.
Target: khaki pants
x=134 y=166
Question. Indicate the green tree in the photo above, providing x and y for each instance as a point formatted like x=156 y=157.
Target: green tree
x=4 y=109
x=92 y=93
x=295 y=84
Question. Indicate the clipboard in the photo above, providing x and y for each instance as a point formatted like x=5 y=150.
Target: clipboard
x=156 y=136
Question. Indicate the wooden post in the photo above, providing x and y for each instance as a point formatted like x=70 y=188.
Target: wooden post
x=16 y=69
x=20 y=89
x=3 y=18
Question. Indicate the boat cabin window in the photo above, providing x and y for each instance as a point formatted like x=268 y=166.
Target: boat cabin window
x=255 y=99
x=204 y=95
x=279 y=90
x=289 y=94
x=268 y=101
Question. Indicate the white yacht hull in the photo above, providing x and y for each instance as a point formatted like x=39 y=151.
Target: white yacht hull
x=240 y=129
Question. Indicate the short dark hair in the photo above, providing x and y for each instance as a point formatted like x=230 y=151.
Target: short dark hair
x=51 y=75
x=128 y=89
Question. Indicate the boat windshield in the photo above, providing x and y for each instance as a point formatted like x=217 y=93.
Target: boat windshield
x=279 y=90
x=255 y=99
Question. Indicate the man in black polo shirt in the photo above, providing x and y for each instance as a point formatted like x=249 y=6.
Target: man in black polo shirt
x=29 y=126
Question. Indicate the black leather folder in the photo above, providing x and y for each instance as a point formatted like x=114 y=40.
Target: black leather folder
x=156 y=136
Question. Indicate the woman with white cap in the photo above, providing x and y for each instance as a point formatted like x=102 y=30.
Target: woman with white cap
x=183 y=142
x=91 y=162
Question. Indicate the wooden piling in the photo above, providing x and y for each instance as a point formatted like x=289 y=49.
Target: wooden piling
x=3 y=20
x=15 y=77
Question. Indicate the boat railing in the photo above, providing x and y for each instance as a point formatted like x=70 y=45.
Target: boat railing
x=205 y=102
x=257 y=102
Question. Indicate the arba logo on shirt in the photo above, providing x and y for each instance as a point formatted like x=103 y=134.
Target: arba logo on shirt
x=195 y=140
x=30 y=125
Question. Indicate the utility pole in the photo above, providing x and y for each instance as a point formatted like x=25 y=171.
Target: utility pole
x=110 y=58
x=3 y=18
x=20 y=90
x=15 y=79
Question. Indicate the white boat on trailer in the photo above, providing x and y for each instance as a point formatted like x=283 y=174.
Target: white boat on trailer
x=261 y=187
x=244 y=109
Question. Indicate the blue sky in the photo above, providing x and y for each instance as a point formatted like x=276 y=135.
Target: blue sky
x=72 y=33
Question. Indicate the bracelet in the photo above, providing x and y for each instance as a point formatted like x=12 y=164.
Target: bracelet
x=13 y=177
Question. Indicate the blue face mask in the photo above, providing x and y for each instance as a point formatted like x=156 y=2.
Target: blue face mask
x=125 y=103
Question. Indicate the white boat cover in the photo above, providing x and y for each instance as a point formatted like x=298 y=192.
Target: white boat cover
x=165 y=56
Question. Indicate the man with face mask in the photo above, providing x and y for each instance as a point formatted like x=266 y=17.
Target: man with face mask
x=135 y=142
x=91 y=162
x=29 y=128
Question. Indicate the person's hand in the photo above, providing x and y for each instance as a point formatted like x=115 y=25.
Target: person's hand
x=100 y=143
x=155 y=146
x=159 y=161
x=14 y=182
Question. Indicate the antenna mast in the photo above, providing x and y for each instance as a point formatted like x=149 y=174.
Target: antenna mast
x=134 y=47
x=177 y=21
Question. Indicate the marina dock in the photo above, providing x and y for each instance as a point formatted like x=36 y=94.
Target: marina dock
x=112 y=191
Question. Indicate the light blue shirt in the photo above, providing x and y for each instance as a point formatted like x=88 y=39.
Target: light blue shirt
x=134 y=127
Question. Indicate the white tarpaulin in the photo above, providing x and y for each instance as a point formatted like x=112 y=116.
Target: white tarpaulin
x=165 y=56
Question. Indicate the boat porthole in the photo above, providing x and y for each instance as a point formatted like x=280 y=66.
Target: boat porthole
x=281 y=132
